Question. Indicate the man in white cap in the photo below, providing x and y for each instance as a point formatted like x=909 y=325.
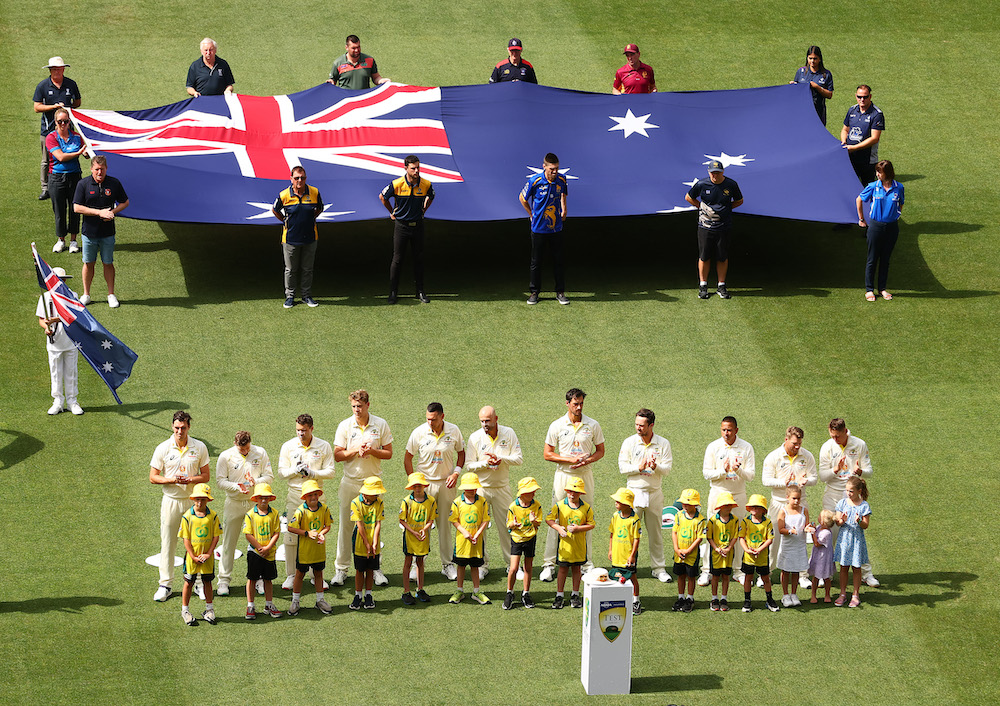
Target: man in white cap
x=238 y=469
x=62 y=353
x=53 y=93
x=491 y=451
x=645 y=459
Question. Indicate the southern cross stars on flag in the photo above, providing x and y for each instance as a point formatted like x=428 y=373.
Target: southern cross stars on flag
x=111 y=359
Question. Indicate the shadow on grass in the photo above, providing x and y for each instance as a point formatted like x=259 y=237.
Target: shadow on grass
x=677 y=682
x=608 y=260
x=912 y=589
x=60 y=604
x=20 y=448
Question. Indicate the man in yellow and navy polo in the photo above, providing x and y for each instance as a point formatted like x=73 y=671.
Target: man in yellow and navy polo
x=413 y=196
x=297 y=207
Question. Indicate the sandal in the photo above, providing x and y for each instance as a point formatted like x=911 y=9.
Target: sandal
x=886 y=295
x=855 y=601
x=870 y=296
x=840 y=599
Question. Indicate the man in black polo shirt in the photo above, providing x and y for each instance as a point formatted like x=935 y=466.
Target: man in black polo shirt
x=715 y=198
x=210 y=75
x=298 y=207
x=53 y=93
x=514 y=68
x=99 y=198
x=413 y=197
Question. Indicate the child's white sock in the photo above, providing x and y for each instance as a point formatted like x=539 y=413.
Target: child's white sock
x=575 y=593
x=635 y=599
x=296 y=596
x=319 y=595
x=358 y=594
x=367 y=592
x=251 y=605
x=715 y=596
x=209 y=606
x=269 y=604
x=559 y=594
x=523 y=593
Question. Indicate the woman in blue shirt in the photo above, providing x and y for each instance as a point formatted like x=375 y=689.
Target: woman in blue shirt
x=65 y=146
x=819 y=79
x=886 y=197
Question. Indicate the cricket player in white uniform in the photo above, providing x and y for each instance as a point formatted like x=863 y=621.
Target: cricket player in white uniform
x=62 y=352
x=788 y=465
x=729 y=465
x=305 y=456
x=237 y=470
x=573 y=443
x=645 y=458
x=844 y=455
x=437 y=450
x=362 y=442
x=178 y=462
x=491 y=451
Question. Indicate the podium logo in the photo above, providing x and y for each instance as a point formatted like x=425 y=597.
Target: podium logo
x=611 y=619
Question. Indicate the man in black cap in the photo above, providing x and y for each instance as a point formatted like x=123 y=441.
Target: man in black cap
x=715 y=198
x=514 y=68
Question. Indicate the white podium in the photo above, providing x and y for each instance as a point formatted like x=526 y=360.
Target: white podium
x=606 y=662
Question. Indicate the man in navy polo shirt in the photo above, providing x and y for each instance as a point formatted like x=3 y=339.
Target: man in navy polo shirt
x=715 y=198
x=861 y=133
x=53 y=93
x=98 y=199
x=413 y=196
x=298 y=207
x=210 y=75
x=514 y=68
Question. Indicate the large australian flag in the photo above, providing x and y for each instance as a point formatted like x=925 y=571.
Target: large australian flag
x=111 y=359
x=223 y=159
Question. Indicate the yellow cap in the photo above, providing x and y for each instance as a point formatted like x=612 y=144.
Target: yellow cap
x=372 y=486
x=725 y=498
x=414 y=479
x=624 y=495
x=470 y=481
x=527 y=485
x=311 y=486
x=262 y=490
x=757 y=500
x=202 y=490
x=576 y=485
x=690 y=497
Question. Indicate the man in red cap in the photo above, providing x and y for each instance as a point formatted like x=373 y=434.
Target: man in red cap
x=635 y=76
x=514 y=68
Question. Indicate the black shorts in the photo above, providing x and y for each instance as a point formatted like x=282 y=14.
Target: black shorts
x=621 y=572
x=366 y=563
x=205 y=578
x=303 y=568
x=682 y=569
x=562 y=563
x=713 y=244
x=259 y=568
x=728 y=571
x=751 y=570
x=524 y=548
x=473 y=561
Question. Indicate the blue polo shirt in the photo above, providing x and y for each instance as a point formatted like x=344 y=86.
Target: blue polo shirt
x=299 y=214
x=100 y=195
x=885 y=204
x=46 y=93
x=210 y=81
x=720 y=198
x=824 y=79
x=409 y=204
x=545 y=201
x=860 y=126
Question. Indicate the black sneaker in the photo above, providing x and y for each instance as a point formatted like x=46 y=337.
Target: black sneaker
x=356 y=603
x=772 y=606
x=636 y=607
x=533 y=299
x=44 y=196
x=392 y=298
x=715 y=604
x=422 y=595
x=408 y=598
x=558 y=603
x=289 y=302
x=723 y=292
x=723 y=605
x=746 y=606
x=423 y=298
x=562 y=298
x=703 y=291
x=688 y=605
x=678 y=605
x=369 y=601
x=526 y=600
x=310 y=302
x=576 y=601
x=508 y=600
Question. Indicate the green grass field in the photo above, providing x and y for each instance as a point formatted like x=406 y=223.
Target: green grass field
x=916 y=378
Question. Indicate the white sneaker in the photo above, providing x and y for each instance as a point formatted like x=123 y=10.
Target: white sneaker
x=85 y=299
x=74 y=247
x=805 y=582
x=786 y=601
x=413 y=571
x=795 y=600
x=704 y=579
x=870 y=580
x=380 y=578
x=162 y=594
x=661 y=575
x=222 y=589
x=323 y=607
x=285 y=585
x=449 y=572
x=339 y=576
x=59 y=246
x=520 y=574
x=113 y=301
x=483 y=572
x=75 y=408
x=548 y=574
x=188 y=618
x=56 y=408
